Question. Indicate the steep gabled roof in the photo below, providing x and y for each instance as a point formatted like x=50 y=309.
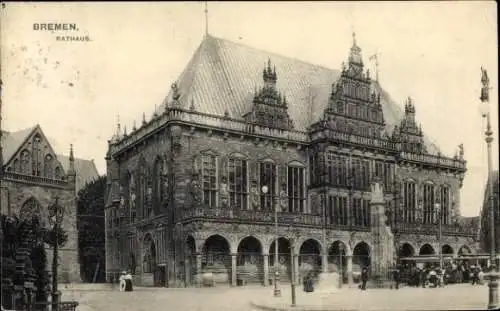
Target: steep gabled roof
x=12 y=141
x=222 y=76
x=86 y=170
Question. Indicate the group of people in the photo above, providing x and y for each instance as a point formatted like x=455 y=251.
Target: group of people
x=126 y=282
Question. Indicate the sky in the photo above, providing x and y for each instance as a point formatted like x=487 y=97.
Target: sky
x=431 y=51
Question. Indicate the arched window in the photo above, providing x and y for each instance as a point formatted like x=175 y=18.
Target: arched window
x=158 y=181
x=209 y=179
x=409 y=193
x=47 y=166
x=31 y=208
x=132 y=198
x=16 y=166
x=141 y=190
x=37 y=156
x=428 y=192
x=445 y=203
x=57 y=173
x=25 y=162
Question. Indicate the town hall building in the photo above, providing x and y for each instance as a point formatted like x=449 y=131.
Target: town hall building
x=244 y=132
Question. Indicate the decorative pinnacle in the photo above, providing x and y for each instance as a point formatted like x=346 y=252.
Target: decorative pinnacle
x=143 y=118
x=134 y=127
x=353 y=38
x=71 y=156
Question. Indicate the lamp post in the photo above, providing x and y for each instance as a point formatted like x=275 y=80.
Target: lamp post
x=341 y=275
x=493 y=275
x=277 y=291
x=437 y=209
x=56 y=215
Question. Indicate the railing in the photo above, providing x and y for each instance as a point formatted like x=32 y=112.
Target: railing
x=450 y=229
x=61 y=306
x=252 y=216
x=433 y=159
x=355 y=139
x=34 y=179
x=204 y=119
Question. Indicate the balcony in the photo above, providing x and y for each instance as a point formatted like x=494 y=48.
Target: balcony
x=450 y=229
x=434 y=160
x=252 y=216
x=35 y=179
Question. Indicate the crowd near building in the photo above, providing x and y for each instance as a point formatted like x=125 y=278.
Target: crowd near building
x=243 y=132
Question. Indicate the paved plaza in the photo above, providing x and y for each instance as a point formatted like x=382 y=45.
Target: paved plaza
x=453 y=297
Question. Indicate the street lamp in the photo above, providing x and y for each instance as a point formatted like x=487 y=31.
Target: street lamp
x=341 y=275
x=437 y=209
x=277 y=291
x=56 y=215
x=493 y=275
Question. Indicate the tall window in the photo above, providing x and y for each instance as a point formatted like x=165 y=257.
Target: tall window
x=336 y=167
x=58 y=173
x=17 y=167
x=428 y=204
x=388 y=173
x=25 y=162
x=47 y=166
x=366 y=213
x=409 y=205
x=141 y=191
x=361 y=171
x=158 y=180
x=209 y=179
x=37 y=156
x=445 y=204
x=338 y=210
x=357 y=211
x=296 y=193
x=267 y=177
x=238 y=190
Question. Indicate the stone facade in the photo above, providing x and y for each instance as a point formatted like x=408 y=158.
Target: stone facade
x=186 y=192
x=32 y=177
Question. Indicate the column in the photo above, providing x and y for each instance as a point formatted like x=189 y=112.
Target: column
x=297 y=268
x=198 y=270
x=233 y=269
x=266 y=269
x=324 y=262
x=349 y=269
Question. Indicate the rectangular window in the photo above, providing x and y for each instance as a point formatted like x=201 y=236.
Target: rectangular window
x=238 y=190
x=445 y=204
x=296 y=196
x=267 y=177
x=428 y=204
x=209 y=179
x=366 y=213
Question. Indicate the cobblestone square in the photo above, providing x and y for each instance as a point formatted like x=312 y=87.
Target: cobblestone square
x=454 y=297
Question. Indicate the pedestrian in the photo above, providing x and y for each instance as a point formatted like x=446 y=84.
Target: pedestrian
x=396 y=276
x=128 y=282
x=364 y=278
x=122 y=283
x=475 y=276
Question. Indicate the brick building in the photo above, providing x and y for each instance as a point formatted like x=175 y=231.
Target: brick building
x=490 y=198
x=33 y=174
x=186 y=188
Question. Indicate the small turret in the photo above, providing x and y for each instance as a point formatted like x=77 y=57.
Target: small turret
x=71 y=170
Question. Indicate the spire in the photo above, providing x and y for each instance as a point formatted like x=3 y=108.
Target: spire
x=143 y=118
x=118 y=129
x=354 y=39
x=71 y=170
x=206 y=19
x=269 y=74
x=355 y=54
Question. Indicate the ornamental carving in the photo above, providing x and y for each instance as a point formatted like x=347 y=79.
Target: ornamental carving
x=254 y=196
x=283 y=200
x=224 y=192
x=195 y=189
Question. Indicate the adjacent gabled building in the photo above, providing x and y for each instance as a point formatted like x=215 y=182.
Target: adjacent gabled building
x=33 y=174
x=243 y=132
x=491 y=198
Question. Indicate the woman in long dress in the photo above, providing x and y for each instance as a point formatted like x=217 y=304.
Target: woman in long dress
x=128 y=282
x=122 y=281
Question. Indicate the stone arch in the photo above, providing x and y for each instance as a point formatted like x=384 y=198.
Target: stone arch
x=426 y=249
x=406 y=250
x=249 y=259
x=310 y=257
x=31 y=208
x=361 y=255
x=217 y=257
x=337 y=253
x=149 y=254
x=283 y=258
x=446 y=249
x=464 y=250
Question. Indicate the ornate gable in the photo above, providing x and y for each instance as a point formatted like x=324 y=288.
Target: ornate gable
x=35 y=156
x=352 y=107
x=409 y=133
x=270 y=108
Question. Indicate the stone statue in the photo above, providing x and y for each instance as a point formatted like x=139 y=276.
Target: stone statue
x=283 y=199
x=485 y=90
x=195 y=189
x=254 y=196
x=461 y=151
x=224 y=193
